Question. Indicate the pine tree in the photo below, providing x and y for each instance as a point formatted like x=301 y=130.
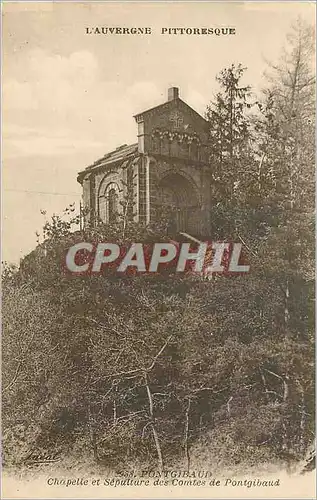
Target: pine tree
x=231 y=159
x=229 y=125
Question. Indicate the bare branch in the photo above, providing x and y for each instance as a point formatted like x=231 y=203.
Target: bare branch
x=155 y=435
x=186 y=433
x=159 y=353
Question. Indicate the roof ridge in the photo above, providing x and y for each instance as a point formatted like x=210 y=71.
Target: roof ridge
x=107 y=155
x=118 y=154
x=169 y=102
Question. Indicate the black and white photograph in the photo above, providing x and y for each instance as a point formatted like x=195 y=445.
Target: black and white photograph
x=158 y=249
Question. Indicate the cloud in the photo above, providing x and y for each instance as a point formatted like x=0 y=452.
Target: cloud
x=54 y=93
x=46 y=146
x=48 y=81
x=24 y=141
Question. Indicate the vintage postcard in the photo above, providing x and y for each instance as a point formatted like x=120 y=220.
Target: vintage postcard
x=158 y=249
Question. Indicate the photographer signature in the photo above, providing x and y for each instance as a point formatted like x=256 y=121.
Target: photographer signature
x=42 y=458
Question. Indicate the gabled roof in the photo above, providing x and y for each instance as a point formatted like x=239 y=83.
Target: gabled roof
x=171 y=104
x=120 y=154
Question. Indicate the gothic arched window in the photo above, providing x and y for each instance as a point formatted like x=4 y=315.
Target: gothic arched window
x=112 y=202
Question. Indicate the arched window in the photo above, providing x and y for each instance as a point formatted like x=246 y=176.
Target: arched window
x=108 y=202
x=112 y=199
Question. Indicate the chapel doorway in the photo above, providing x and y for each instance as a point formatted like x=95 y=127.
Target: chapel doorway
x=179 y=199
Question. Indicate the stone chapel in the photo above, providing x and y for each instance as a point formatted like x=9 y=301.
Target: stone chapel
x=167 y=167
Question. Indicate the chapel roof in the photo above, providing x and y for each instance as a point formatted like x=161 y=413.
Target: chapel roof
x=122 y=153
x=125 y=152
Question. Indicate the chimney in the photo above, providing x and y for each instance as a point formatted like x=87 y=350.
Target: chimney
x=172 y=93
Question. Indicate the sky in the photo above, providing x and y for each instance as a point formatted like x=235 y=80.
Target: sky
x=69 y=97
